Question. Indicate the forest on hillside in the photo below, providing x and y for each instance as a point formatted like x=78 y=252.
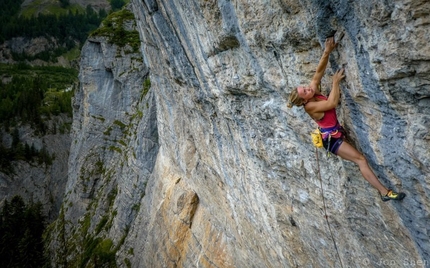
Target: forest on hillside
x=69 y=28
x=65 y=28
x=33 y=94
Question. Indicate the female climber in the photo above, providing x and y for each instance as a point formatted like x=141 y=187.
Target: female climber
x=322 y=109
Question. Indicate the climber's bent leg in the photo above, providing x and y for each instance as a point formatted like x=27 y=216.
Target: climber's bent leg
x=347 y=152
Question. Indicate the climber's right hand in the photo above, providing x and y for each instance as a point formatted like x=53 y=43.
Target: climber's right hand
x=330 y=44
x=338 y=76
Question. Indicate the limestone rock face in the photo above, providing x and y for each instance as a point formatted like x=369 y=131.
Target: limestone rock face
x=217 y=172
x=114 y=147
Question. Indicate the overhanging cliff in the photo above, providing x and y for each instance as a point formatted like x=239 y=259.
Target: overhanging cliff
x=209 y=168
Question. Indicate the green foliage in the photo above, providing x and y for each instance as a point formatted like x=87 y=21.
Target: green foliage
x=108 y=131
x=90 y=245
x=73 y=25
x=56 y=231
x=34 y=92
x=127 y=262
x=57 y=102
x=113 y=148
x=113 y=29
x=36 y=7
x=99 y=252
x=103 y=253
x=47 y=55
x=5 y=162
x=120 y=124
x=101 y=224
x=72 y=54
x=136 y=207
x=32 y=95
x=67 y=24
x=21 y=230
x=20 y=151
x=9 y=9
x=112 y=195
x=64 y=3
x=117 y=4
x=146 y=87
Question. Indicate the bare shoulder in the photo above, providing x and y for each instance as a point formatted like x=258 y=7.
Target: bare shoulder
x=314 y=113
x=317 y=105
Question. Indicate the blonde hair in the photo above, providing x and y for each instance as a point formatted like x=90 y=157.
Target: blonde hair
x=295 y=99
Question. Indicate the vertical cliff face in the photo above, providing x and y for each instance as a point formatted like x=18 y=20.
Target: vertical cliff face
x=209 y=168
x=114 y=147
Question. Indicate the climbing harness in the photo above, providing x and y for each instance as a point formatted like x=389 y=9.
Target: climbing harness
x=325 y=208
x=327 y=133
x=318 y=137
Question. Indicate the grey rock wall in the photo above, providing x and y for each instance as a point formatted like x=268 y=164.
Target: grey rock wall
x=218 y=172
x=114 y=147
x=231 y=65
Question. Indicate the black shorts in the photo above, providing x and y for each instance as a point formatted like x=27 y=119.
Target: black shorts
x=334 y=144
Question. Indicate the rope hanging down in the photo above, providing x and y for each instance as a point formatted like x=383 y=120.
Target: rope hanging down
x=325 y=208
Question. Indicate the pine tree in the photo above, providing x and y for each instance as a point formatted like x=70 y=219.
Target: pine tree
x=21 y=229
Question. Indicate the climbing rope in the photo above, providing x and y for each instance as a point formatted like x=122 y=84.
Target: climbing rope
x=325 y=208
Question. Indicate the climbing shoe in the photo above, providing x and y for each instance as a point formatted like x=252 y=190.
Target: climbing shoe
x=392 y=196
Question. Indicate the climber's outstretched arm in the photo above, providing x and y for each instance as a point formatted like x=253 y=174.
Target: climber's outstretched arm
x=330 y=44
x=333 y=99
